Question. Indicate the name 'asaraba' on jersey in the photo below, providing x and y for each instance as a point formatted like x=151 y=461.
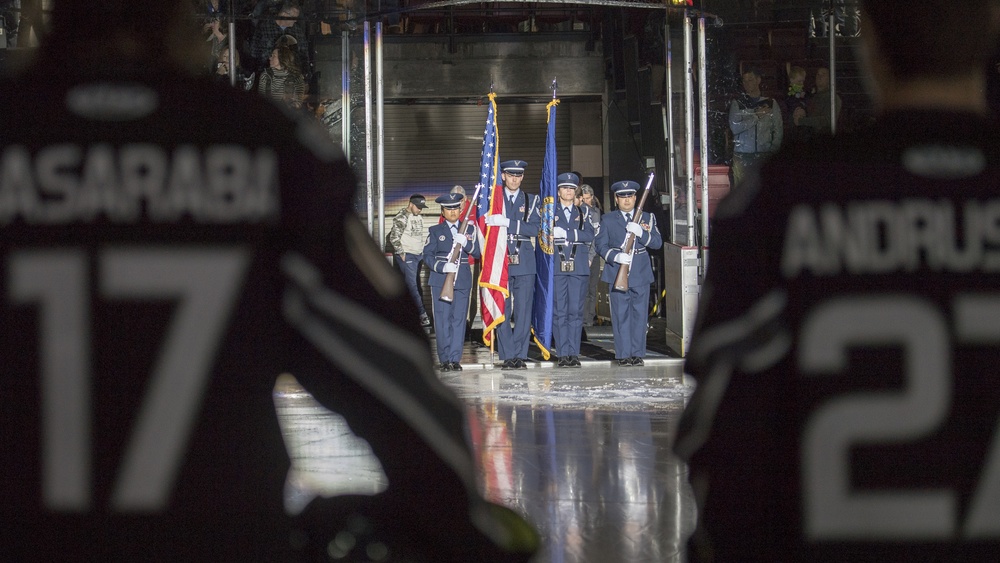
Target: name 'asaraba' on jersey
x=68 y=182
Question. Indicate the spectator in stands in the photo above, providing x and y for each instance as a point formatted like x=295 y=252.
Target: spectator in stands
x=20 y=18
x=268 y=31
x=215 y=35
x=262 y=7
x=282 y=81
x=11 y=19
x=846 y=16
x=796 y=99
x=816 y=117
x=244 y=79
x=216 y=17
x=755 y=121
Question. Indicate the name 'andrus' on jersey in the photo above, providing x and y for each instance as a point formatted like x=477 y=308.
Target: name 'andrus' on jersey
x=878 y=236
x=64 y=183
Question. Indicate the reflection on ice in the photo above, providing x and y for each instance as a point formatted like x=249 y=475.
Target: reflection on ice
x=327 y=458
x=652 y=388
x=584 y=454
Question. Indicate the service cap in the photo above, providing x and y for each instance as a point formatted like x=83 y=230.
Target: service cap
x=450 y=201
x=568 y=179
x=624 y=188
x=513 y=167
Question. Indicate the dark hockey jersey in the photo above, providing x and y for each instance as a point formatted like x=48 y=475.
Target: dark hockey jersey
x=168 y=247
x=846 y=352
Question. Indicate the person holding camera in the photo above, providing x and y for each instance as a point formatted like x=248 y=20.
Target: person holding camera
x=755 y=121
x=244 y=80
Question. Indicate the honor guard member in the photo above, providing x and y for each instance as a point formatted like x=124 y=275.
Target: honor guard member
x=162 y=262
x=847 y=345
x=522 y=217
x=450 y=318
x=630 y=308
x=573 y=236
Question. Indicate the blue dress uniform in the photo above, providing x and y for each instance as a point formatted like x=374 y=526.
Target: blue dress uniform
x=629 y=309
x=572 y=274
x=450 y=318
x=523 y=211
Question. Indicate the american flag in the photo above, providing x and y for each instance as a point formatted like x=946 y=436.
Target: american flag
x=493 y=276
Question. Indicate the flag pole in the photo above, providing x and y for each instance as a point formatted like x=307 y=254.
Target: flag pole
x=492 y=340
x=555 y=86
x=544 y=282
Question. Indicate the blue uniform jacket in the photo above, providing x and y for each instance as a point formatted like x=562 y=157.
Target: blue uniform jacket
x=437 y=248
x=611 y=239
x=525 y=221
x=579 y=236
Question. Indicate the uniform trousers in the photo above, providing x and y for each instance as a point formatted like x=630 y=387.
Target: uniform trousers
x=567 y=312
x=513 y=340
x=629 y=312
x=449 y=324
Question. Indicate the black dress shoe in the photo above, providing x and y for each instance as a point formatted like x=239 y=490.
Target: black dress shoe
x=625 y=362
x=636 y=361
x=574 y=362
x=455 y=366
x=563 y=361
x=521 y=363
x=446 y=366
x=507 y=364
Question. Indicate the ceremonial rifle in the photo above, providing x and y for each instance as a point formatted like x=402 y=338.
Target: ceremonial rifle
x=621 y=280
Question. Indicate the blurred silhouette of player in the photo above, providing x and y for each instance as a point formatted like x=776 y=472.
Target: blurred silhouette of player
x=845 y=350
x=168 y=247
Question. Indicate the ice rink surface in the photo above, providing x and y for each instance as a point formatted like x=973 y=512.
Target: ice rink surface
x=583 y=453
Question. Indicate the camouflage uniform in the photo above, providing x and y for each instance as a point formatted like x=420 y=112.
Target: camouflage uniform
x=407 y=241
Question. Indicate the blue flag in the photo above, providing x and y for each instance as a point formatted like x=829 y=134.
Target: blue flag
x=541 y=316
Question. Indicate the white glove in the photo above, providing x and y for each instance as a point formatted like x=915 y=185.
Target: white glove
x=623 y=258
x=497 y=221
x=634 y=228
x=459 y=239
x=449 y=267
x=558 y=232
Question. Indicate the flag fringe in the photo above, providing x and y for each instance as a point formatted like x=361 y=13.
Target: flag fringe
x=546 y=354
